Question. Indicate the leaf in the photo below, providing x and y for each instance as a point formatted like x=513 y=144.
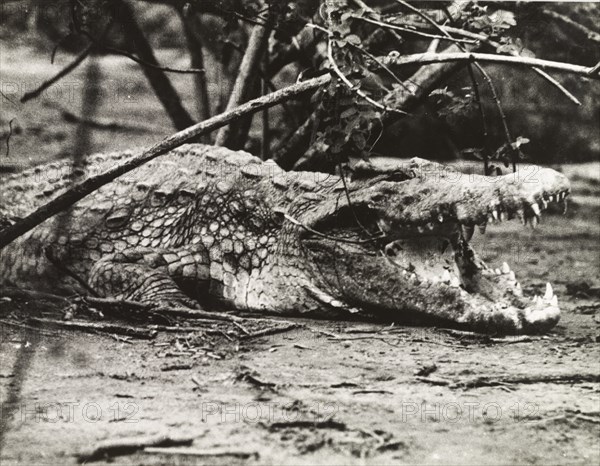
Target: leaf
x=353 y=39
x=348 y=112
x=527 y=53
x=503 y=19
x=520 y=141
x=507 y=48
x=359 y=140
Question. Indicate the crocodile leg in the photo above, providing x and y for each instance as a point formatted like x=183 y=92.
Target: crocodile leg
x=151 y=276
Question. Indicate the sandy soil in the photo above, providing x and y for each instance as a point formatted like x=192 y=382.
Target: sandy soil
x=323 y=392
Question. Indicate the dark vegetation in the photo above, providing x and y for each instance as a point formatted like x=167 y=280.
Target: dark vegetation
x=454 y=113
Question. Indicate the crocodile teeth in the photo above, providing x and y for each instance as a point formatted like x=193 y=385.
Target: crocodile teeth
x=564 y=207
x=495 y=214
x=502 y=216
x=536 y=209
x=454 y=281
x=430 y=226
x=420 y=229
x=511 y=275
x=560 y=197
x=440 y=218
x=490 y=220
x=554 y=301
x=468 y=231
x=521 y=215
x=482 y=228
x=518 y=290
x=505 y=268
x=551 y=198
x=498 y=271
x=544 y=203
x=549 y=292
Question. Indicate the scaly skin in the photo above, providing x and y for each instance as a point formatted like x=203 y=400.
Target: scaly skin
x=208 y=224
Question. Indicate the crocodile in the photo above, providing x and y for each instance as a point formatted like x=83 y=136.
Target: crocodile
x=204 y=226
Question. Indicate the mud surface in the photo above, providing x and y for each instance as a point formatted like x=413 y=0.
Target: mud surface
x=322 y=392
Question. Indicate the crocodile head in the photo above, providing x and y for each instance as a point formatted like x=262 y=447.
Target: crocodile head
x=402 y=250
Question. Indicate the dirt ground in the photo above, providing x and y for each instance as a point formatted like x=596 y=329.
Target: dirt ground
x=321 y=392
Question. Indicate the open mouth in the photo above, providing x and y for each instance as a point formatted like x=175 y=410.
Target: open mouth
x=438 y=255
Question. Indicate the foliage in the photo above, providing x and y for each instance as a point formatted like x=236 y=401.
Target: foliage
x=346 y=38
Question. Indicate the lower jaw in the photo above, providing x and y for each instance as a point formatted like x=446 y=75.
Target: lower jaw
x=491 y=298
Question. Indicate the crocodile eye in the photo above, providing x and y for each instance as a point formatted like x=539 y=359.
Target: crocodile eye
x=185 y=196
x=117 y=219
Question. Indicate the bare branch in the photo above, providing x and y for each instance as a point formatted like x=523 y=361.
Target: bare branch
x=245 y=80
x=191 y=27
x=352 y=87
x=431 y=58
x=82 y=189
x=149 y=64
x=163 y=88
x=574 y=25
x=411 y=31
x=58 y=76
x=293 y=147
x=485 y=39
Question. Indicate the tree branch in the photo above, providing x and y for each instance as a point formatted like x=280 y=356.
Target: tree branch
x=195 y=47
x=61 y=74
x=82 y=189
x=431 y=58
x=245 y=81
x=163 y=88
x=410 y=31
x=485 y=39
x=574 y=26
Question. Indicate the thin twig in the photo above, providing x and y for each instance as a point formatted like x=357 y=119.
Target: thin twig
x=354 y=88
x=195 y=452
x=574 y=25
x=265 y=143
x=270 y=331
x=367 y=8
x=494 y=92
x=411 y=31
x=485 y=39
x=484 y=128
x=95 y=327
x=61 y=74
x=329 y=237
x=10 y=133
x=124 y=446
x=140 y=61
